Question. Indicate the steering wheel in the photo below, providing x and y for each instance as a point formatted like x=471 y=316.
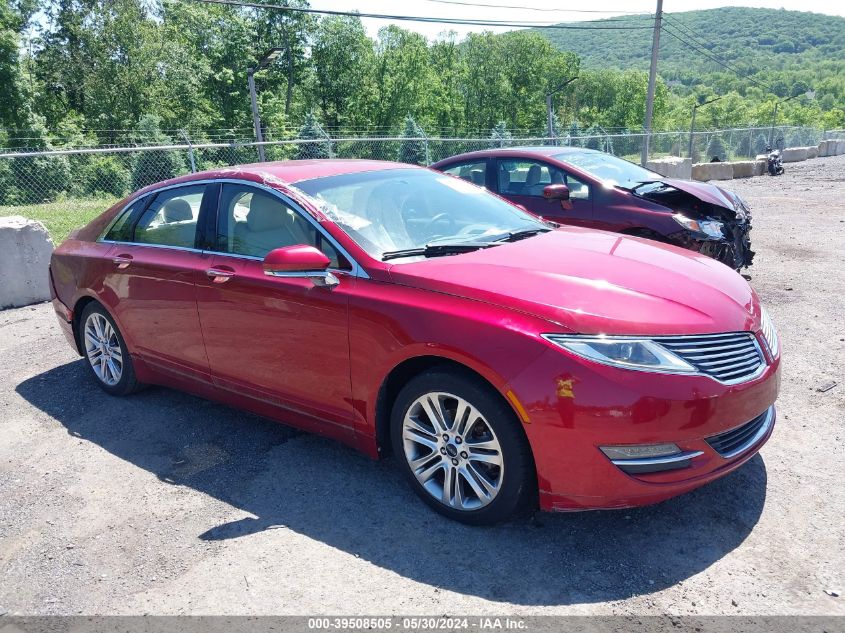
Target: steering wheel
x=439 y=217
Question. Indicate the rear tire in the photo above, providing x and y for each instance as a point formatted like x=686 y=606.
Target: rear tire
x=105 y=351
x=462 y=449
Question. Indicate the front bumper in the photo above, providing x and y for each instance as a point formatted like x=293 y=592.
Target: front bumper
x=582 y=406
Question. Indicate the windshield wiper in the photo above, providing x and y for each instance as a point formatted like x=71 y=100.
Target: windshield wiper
x=521 y=234
x=436 y=250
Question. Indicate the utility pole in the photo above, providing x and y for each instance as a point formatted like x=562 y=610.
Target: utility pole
x=652 y=77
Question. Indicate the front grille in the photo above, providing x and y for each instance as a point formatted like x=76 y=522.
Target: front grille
x=733 y=442
x=730 y=358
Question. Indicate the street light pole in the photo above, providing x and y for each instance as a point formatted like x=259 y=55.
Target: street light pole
x=550 y=106
x=263 y=63
x=695 y=107
x=256 y=120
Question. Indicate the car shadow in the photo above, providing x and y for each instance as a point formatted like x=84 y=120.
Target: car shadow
x=328 y=492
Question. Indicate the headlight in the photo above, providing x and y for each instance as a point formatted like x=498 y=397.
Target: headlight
x=710 y=228
x=769 y=332
x=625 y=352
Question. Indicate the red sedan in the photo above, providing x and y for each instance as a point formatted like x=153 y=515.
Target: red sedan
x=404 y=311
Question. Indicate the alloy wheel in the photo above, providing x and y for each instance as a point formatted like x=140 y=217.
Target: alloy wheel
x=102 y=347
x=452 y=451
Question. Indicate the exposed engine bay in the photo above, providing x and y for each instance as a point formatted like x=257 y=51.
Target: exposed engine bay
x=718 y=226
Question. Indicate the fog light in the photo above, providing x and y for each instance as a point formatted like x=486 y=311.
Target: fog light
x=648 y=458
x=639 y=451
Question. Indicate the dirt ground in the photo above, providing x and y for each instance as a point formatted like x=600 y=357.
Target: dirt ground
x=163 y=503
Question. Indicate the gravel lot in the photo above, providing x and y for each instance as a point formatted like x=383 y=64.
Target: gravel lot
x=164 y=503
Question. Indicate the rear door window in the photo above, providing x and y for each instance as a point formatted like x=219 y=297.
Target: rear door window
x=171 y=218
x=474 y=172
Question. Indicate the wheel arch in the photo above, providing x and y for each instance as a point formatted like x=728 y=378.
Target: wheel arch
x=78 y=309
x=408 y=369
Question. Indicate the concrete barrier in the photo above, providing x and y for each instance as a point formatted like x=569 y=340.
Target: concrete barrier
x=748 y=168
x=840 y=147
x=812 y=152
x=823 y=148
x=672 y=167
x=794 y=154
x=712 y=171
x=25 y=250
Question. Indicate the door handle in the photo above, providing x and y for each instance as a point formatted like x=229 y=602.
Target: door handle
x=219 y=276
x=122 y=261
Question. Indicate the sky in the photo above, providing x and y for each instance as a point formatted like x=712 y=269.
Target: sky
x=552 y=10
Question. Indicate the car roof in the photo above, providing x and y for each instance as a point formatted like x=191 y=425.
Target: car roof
x=286 y=171
x=539 y=150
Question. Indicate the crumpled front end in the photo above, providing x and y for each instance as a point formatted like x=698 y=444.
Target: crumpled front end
x=715 y=222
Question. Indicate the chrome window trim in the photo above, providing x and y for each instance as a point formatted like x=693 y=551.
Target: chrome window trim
x=357 y=269
x=753 y=440
x=764 y=364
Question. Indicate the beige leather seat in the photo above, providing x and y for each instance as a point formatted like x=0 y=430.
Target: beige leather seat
x=533 y=186
x=268 y=225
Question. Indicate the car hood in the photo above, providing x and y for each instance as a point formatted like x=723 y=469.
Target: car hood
x=595 y=282
x=703 y=191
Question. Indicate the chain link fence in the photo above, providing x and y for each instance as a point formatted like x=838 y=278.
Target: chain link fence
x=75 y=175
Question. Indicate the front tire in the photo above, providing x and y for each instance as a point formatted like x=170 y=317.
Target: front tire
x=105 y=352
x=462 y=449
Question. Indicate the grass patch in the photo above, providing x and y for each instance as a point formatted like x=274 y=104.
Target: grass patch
x=62 y=217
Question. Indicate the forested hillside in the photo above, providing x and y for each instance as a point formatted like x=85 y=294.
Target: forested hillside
x=788 y=51
x=89 y=72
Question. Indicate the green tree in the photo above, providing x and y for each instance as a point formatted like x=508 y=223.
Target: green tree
x=14 y=16
x=343 y=59
x=320 y=145
x=413 y=148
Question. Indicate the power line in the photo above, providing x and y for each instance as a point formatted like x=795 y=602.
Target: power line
x=714 y=58
x=411 y=18
x=523 y=8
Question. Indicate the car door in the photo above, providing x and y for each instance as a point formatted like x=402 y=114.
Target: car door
x=154 y=266
x=522 y=181
x=281 y=340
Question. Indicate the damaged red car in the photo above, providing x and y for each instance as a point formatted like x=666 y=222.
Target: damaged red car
x=584 y=187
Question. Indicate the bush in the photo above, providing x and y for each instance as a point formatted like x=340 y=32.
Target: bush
x=322 y=145
x=33 y=180
x=414 y=148
x=105 y=175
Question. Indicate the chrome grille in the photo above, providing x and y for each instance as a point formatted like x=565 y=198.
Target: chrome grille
x=730 y=358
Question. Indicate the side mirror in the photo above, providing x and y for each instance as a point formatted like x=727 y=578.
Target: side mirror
x=300 y=261
x=556 y=192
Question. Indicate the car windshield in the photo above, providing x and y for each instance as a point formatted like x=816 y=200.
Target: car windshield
x=401 y=209
x=609 y=169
